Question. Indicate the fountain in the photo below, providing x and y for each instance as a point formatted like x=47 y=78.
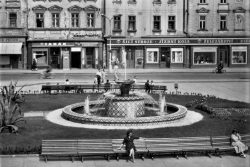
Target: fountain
x=125 y=109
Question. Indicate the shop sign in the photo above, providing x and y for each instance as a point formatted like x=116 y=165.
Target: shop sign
x=180 y=41
x=91 y=34
x=63 y=44
x=13 y=40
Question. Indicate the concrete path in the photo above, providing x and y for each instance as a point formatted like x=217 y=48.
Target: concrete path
x=225 y=161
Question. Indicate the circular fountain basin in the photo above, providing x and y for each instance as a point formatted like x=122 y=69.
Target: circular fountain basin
x=165 y=118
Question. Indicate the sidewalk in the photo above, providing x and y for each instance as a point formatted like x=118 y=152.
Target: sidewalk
x=225 y=161
x=91 y=71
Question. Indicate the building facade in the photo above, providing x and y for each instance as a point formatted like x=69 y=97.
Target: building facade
x=13 y=34
x=221 y=29
x=65 y=34
x=144 y=33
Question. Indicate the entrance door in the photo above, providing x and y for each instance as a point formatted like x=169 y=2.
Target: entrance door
x=223 y=56
x=75 y=59
x=55 y=57
x=130 y=58
x=90 y=55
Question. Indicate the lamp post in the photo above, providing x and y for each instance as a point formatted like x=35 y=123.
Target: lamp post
x=110 y=32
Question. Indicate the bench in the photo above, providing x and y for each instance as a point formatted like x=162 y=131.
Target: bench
x=162 y=146
x=222 y=144
x=94 y=148
x=140 y=145
x=201 y=145
x=59 y=148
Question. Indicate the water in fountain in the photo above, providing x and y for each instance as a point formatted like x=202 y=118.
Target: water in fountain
x=86 y=105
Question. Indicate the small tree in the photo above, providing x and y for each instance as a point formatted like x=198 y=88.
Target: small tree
x=10 y=110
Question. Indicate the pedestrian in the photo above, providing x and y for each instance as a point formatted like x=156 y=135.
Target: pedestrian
x=98 y=77
x=135 y=80
x=103 y=73
x=147 y=87
x=34 y=64
x=151 y=86
x=128 y=142
x=237 y=143
x=67 y=81
x=107 y=86
x=220 y=67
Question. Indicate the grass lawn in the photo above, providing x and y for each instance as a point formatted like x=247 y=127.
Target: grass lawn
x=37 y=128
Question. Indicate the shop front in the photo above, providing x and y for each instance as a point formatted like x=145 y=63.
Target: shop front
x=66 y=49
x=66 y=55
x=12 y=52
x=181 y=52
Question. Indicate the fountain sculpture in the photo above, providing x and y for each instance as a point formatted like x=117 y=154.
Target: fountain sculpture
x=124 y=109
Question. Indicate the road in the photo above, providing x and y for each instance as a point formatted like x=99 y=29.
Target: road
x=232 y=86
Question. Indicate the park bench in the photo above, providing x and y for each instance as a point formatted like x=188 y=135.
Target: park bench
x=94 y=148
x=200 y=145
x=141 y=149
x=162 y=146
x=59 y=149
x=222 y=144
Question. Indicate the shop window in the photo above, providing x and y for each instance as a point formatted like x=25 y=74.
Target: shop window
x=177 y=55
x=239 y=55
x=223 y=22
x=204 y=58
x=157 y=23
x=39 y=20
x=171 y=23
x=152 y=55
x=55 y=20
x=131 y=23
x=90 y=20
x=75 y=20
x=13 y=19
x=202 y=22
x=41 y=56
x=117 y=22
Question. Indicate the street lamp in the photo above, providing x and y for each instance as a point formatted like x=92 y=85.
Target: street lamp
x=110 y=32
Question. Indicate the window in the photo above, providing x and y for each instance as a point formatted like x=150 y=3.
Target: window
x=223 y=1
x=171 y=23
x=202 y=22
x=204 y=55
x=41 y=56
x=152 y=55
x=117 y=22
x=223 y=22
x=40 y=20
x=13 y=19
x=202 y=1
x=75 y=20
x=176 y=55
x=55 y=20
x=90 y=20
x=239 y=55
x=132 y=1
x=131 y=23
x=157 y=23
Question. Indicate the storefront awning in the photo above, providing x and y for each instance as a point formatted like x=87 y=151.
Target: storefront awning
x=11 y=48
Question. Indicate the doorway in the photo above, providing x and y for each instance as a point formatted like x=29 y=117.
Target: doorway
x=75 y=59
x=223 y=56
x=130 y=58
x=55 y=57
x=90 y=55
